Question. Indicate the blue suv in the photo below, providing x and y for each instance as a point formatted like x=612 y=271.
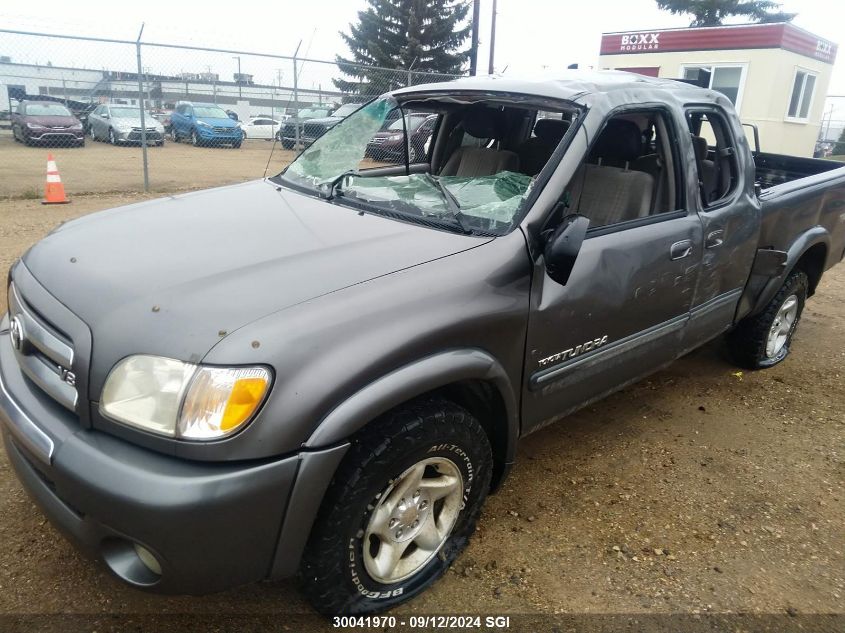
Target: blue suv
x=204 y=124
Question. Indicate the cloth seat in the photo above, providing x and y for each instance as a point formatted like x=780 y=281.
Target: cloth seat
x=706 y=169
x=481 y=122
x=536 y=151
x=607 y=193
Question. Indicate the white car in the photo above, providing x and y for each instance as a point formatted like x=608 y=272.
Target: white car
x=261 y=127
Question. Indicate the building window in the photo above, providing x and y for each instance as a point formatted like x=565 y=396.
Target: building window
x=726 y=78
x=802 y=96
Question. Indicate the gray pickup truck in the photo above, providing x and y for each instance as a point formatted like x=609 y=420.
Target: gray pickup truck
x=326 y=372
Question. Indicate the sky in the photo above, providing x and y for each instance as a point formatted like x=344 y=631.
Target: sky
x=532 y=35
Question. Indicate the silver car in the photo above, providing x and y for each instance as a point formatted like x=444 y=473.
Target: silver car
x=122 y=124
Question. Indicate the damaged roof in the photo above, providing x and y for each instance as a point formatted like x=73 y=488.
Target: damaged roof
x=569 y=85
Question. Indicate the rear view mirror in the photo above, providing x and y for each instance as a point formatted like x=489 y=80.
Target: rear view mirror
x=563 y=246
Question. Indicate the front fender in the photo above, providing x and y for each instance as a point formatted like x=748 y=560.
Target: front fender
x=412 y=380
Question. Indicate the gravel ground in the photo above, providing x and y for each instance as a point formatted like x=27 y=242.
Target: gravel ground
x=700 y=490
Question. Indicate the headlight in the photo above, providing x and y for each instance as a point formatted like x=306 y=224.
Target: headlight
x=183 y=400
x=203 y=123
x=76 y=126
x=34 y=126
x=394 y=138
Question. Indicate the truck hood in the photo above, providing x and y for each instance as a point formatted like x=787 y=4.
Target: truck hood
x=173 y=276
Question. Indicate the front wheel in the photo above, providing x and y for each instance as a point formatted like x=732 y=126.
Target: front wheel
x=401 y=507
x=764 y=339
x=195 y=139
x=112 y=137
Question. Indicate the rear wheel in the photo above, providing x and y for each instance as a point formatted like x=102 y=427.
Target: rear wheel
x=764 y=340
x=401 y=507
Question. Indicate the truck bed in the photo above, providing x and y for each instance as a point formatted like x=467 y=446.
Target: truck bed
x=800 y=195
x=778 y=169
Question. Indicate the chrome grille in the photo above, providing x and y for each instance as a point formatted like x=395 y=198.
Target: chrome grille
x=44 y=354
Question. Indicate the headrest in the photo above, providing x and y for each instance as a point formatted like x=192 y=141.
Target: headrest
x=483 y=122
x=550 y=130
x=620 y=140
x=699 y=145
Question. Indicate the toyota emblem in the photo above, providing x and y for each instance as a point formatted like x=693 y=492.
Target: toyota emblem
x=16 y=333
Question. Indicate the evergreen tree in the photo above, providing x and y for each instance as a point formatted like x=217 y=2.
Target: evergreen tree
x=713 y=12
x=839 y=146
x=398 y=33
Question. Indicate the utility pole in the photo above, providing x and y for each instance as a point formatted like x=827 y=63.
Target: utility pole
x=473 y=49
x=296 y=99
x=238 y=57
x=829 y=119
x=141 y=109
x=492 y=39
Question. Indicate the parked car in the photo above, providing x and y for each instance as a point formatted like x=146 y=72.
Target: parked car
x=46 y=122
x=313 y=123
x=121 y=124
x=162 y=115
x=204 y=124
x=389 y=144
x=329 y=370
x=261 y=127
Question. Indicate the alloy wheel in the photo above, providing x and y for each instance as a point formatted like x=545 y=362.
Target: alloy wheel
x=782 y=326
x=413 y=519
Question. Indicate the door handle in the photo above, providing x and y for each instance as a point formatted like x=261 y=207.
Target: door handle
x=714 y=238
x=681 y=249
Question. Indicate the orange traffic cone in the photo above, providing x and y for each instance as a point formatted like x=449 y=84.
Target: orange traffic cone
x=54 y=190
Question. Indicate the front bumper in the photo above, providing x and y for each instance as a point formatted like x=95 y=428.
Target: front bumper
x=209 y=525
x=57 y=136
x=134 y=136
x=207 y=135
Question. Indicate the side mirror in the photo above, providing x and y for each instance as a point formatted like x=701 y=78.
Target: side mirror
x=105 y=115
x=563 y=246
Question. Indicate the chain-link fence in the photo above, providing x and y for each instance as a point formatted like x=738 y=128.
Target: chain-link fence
x=122 y=116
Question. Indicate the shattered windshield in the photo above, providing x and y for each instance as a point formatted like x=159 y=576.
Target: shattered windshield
x=353 y=164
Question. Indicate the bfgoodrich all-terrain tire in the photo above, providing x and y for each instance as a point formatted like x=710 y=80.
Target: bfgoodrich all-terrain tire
x=401 y=507
x=764 y=339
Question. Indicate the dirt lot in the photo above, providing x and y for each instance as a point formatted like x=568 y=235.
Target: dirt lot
x=103 y=168
x=701 y=490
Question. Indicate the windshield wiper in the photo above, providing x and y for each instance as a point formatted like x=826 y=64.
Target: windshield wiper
x=451 y=202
